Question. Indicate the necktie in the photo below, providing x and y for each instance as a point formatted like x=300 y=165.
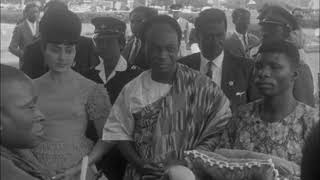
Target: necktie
x=245 y=41
x=135 y=49
x=209 y=71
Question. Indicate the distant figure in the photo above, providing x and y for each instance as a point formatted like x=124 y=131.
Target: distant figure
x=133 y=51
x=241 y=41
x=175 y=10
x=25 y=32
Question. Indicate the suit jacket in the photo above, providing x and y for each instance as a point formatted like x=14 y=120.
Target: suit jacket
x=135 y=59
x=85 y=60
x=234 y=46
x=21 y=37
x=236 y=80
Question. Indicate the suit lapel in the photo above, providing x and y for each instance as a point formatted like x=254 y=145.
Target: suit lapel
x=27 y=29
x=238 y=44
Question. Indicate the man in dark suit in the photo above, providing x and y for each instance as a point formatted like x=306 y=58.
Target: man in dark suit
x=132 y=51
x=241 y=41
x=232 y=74
x=25 y=32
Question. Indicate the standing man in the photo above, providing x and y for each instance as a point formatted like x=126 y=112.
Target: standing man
x=240 y=42
x=279 y=24
x=167 y=109
x=25 y=32
x=175 y=10
x=232 y=74
x=133 y=52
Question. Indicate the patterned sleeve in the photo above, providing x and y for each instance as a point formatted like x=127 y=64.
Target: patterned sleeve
x=217 y=112
x=310 y=119
x=120 y=123
x=98 y=106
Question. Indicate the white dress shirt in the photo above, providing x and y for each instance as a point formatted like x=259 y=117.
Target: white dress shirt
x=120 y=67
x=216 y=68
x=33 y=27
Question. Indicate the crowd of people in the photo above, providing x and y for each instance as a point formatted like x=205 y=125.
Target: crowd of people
x=107 y=107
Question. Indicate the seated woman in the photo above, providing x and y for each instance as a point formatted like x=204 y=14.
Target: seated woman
x=277 y=124
x=67 y=99
x=20 y=127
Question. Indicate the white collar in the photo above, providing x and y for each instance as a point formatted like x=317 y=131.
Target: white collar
x=120 y=67
x=217 y=61
x=31 y=23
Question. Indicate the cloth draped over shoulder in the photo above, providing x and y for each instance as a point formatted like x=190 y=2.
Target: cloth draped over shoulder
x=190 y=114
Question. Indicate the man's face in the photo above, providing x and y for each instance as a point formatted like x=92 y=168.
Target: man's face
x=299 y=15
x=161 y=48
x=108 y=49
x=274 y=74
x=59 y=57
x=136 y=21
x=176 y=14
x=20 y=117
x=272 y=32
x=242 y=23
x=33 y=14
x=211 y=39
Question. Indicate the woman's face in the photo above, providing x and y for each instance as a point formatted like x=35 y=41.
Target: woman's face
x=59 y=57
x=274 y=75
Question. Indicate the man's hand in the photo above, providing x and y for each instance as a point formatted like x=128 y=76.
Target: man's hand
x=151 y=171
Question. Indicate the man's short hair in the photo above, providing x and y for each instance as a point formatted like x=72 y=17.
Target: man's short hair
x=284 y=47
x=311 y=155
x=210 y=16
x=146 y=11
x=239 y=12
x=161 y=19
x=29 y=6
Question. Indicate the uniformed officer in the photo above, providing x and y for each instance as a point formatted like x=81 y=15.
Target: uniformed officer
x=109 y=40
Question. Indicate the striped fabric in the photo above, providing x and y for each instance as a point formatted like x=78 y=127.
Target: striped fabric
x=191 y=116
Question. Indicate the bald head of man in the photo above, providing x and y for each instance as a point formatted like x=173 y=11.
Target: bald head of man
x=20 y=118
